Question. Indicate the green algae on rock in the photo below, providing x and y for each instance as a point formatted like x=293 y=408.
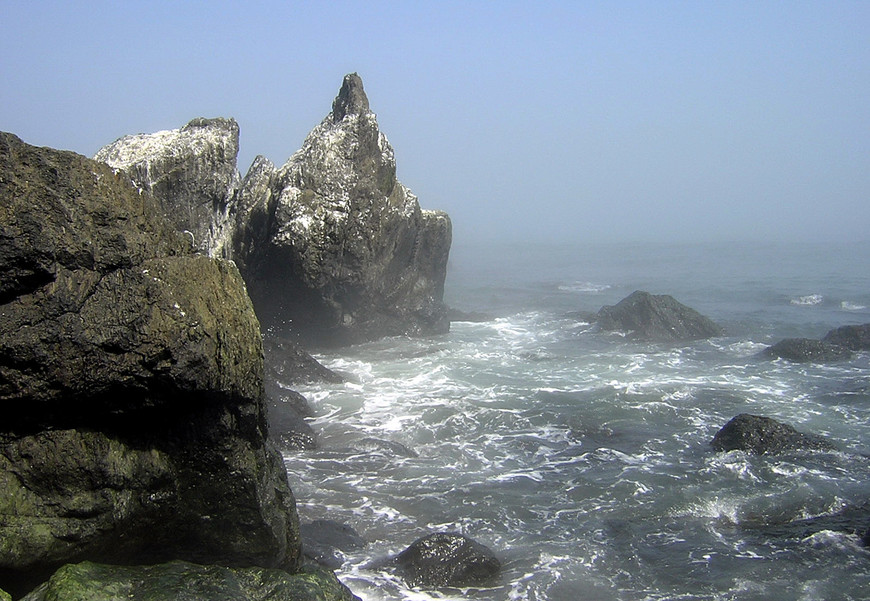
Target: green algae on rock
x=88 y=581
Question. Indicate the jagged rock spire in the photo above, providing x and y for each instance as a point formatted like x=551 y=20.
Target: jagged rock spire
x=351 y=99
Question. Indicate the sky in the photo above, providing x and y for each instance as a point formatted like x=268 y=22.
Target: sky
x=538 y=121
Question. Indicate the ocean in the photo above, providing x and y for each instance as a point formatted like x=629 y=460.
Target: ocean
x=582 y=458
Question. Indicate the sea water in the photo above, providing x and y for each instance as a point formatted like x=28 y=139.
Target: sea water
x=582 y=458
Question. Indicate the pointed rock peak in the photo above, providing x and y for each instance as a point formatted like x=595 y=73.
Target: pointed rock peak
x=351 y=99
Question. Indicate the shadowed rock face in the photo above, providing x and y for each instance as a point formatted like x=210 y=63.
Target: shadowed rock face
x=131 y=379
x=658 y=318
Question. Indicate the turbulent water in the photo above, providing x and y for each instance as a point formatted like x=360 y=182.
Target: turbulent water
x=582 y=458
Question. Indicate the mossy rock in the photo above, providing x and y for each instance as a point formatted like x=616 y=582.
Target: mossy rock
x=4 y=596
x=183 y=581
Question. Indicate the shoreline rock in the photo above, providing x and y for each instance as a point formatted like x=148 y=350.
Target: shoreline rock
x=131 y=371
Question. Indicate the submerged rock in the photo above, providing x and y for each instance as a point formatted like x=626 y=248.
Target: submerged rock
x=444 y=559
x=855 y=338
x=191 y=171
x=182 y=580
x=324 y=540
x=807 y=350
x=342 y=250
x=658 y=318
x=765 y=436
x=131 y=376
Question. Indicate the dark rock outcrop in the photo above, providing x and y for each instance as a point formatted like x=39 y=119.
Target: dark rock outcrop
x=344 y=252
x=807 y=350
x=333 y=248
x=854 y=338
x=131 y=378
x=191 y=171
x=447 y=560
x=182 y=580
x=324 y=540
x=765 y=436
x=657 y=318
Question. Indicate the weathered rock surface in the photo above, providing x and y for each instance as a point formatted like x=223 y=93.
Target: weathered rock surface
x=855 y=338
x=131 y=378
x=807 y=350
x=191 y=171
x=443 y=559
x=325 y=541
x=765 y=436
x=333 y=248
x=179 y=580
x=657 y=318
x=342 y=251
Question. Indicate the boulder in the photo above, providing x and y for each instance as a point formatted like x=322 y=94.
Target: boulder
x=287 y=361
x=324 y=540
x=658 y=318
x=336 y=249
x=183 y=580
x=192 y=173
x=806 y=350
x=765 y=436
x=447 y=560
x=131 y=379
x=855 y=338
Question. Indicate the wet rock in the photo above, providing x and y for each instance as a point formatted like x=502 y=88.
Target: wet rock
x=806 y=350
x=182 y=580
x=657 y=318
x=287 y=361
x=855 y=338
x=322 y=540
x=765 y=436
x=447 y=560
x=131 y=377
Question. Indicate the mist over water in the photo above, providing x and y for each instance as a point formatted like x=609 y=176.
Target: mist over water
x=583 y=458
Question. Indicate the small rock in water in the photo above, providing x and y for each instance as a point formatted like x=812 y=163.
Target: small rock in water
x=445 y=559
x=856 y=338
x=806 y=350
x=321 y=539
x=656 y=317
x=765 y=436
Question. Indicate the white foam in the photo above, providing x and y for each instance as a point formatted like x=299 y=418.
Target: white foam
x=847 y=306
x=584 y=287
x=808 y=300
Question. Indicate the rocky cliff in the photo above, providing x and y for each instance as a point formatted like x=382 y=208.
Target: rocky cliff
x=334 y=249
x=131 y=379
x=191 y=171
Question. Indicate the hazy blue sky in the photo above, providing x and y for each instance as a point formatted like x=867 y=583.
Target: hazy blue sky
x=548 y=120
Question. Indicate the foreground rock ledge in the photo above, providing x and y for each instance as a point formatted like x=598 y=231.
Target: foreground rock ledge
x=182 y=580
x=131 y=379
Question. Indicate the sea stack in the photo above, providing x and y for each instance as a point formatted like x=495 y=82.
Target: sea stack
x=333 y=247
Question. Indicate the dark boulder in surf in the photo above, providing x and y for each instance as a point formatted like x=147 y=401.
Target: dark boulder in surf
x=807 y=350
x=447 y=559
x=765 y=436
x=324 y=541
x=658 y=318
x=855 y=338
